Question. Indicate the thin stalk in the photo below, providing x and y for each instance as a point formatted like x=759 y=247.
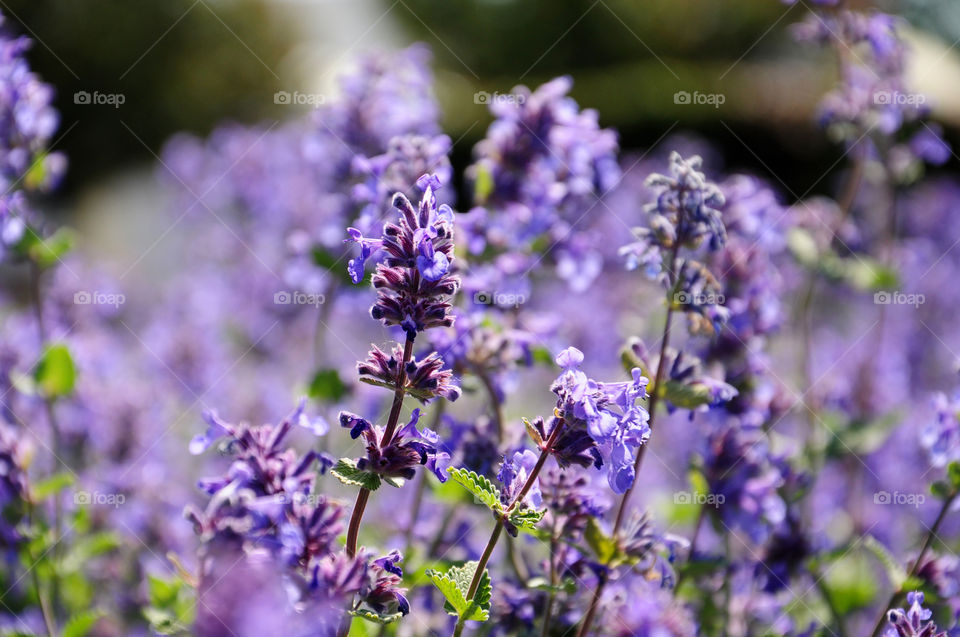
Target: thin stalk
x=548 y=615
x=701 y=516
x=494 y=401
x=651 y=410
x=56 y=439
x=49 y=622
x=353 y=531
x=545 y=451
x=831 y=604
x=927 y=543
x=421 y=486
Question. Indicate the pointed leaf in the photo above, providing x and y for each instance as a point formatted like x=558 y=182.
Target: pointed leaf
x=482 y=489
x=375 y=617
x=346 y=471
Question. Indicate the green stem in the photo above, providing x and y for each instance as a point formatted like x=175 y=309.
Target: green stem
x=545 y=451
x=48 y=620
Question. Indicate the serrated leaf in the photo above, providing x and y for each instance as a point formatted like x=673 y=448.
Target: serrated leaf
x=526 y=519
x=455 y=584
x=346 y=471
x=326 y=385
x=895 y=571
x=81 y=624
x=481 y=488
x=376 y=618
x=56 y=373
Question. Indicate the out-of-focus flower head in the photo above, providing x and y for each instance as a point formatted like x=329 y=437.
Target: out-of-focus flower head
x=941 y=438
x=542 y=167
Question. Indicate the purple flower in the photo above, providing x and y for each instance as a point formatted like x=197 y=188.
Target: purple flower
x=913 y=622
x=425 y=379
x=413 y=279
x=941 y=438
x=607 y=412
x=408 y=448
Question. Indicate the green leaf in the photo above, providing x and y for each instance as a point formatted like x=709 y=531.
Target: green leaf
x=81 y=624
x=346 y=471
x=803 y=247
x=953 y=474
x=56 y=373
x=526 y=519
x=49 y=251
x=52 y=485
x=542 y=356
x=334 y=264
x=376 y=618
x=326 y=385
x=455 y=584
x=482 y=184
x=685 y=395
x=604 y=546
x=533 y=433
x=940 y=489
x=481 y=488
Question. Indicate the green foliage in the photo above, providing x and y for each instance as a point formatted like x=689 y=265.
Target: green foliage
x=455 y=584
x=603 y=546
x=56 y=374
x=376 y=618
x=81 y=624
x=172 y=605
x=859 y=272
x=46 y=252
x=346 y=471
x=482 y=489
x=51 y=486
x=326 y=385
x=526 y=519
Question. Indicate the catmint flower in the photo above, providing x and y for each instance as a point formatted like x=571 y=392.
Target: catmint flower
x=941 y=438
x=607 y=412
x=687 y=206
x=682 y=370
x=513 y=474
x=913 y=622
x=385 y=595
x=413 y=278
x=408 y=448
x=426 y=378
x=740 y=469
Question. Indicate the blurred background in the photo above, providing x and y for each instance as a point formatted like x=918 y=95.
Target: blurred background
x=185 y=65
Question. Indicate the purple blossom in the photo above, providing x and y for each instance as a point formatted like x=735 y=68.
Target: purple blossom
x=913 y=622
x=408 y=448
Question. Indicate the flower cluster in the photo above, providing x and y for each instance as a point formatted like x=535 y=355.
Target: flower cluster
x=941 y=438
x=607 y=412
x=398 y=457
x=413 y=277
x=425 y=379
x=913 y=622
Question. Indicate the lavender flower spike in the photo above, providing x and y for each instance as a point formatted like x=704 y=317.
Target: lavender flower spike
x=413 y=278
